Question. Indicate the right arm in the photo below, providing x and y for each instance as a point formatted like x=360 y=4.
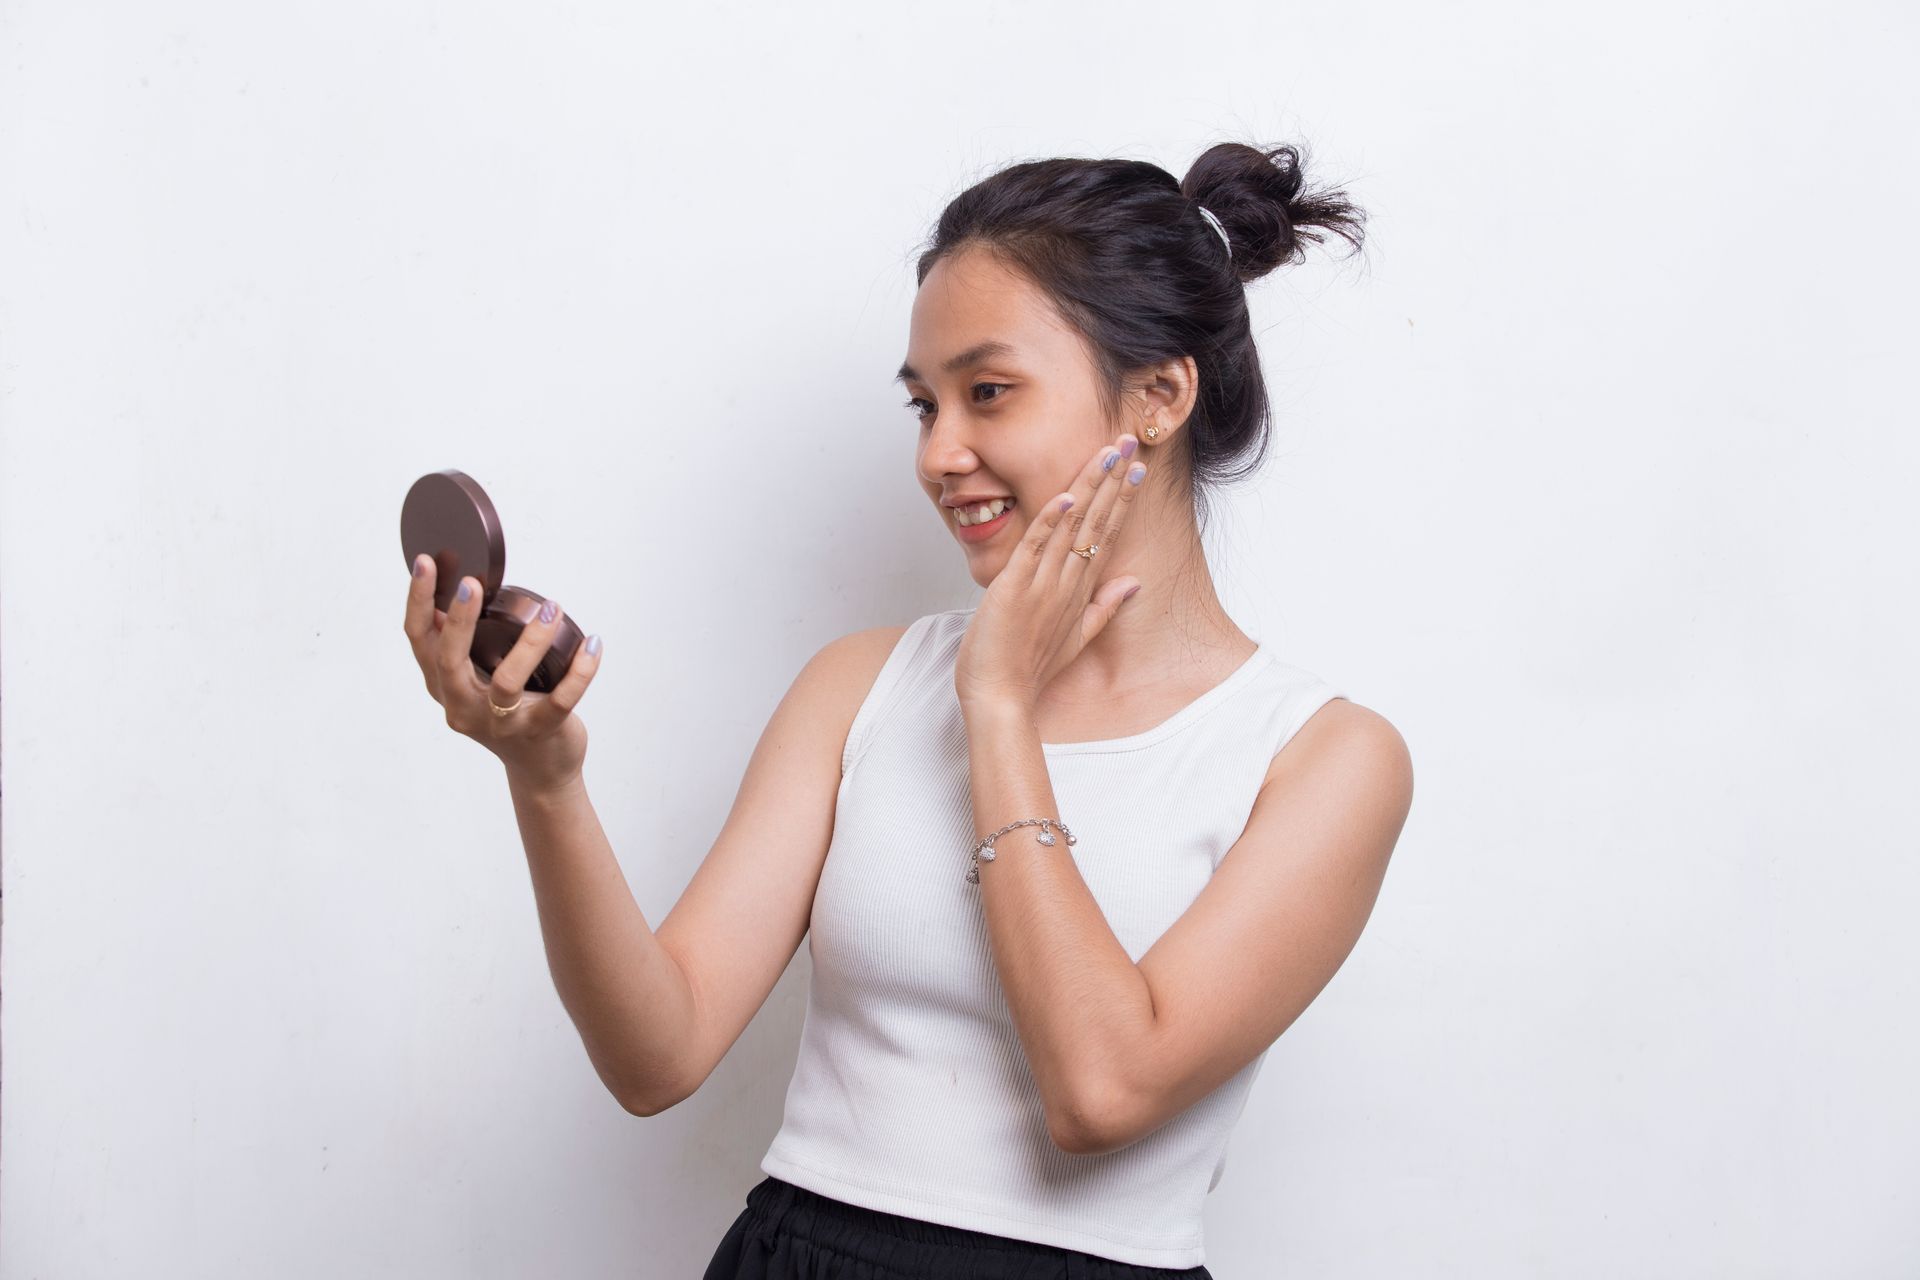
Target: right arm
x=625 y=993
x=657 y=1009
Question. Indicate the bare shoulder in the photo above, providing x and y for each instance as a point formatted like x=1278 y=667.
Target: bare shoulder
x=841 y=674
x=857 y=656
x=1343 y=740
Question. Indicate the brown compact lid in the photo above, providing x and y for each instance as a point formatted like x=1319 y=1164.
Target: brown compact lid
x=448 y=515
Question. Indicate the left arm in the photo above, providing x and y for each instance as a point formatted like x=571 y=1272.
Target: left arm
x=1117 y=1048
x=1078 y=1002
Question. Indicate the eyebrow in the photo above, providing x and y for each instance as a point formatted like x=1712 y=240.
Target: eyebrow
x=978 y=354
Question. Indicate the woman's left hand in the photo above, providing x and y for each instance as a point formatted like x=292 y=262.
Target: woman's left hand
x=1037 y=615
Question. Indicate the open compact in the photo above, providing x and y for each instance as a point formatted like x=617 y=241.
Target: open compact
x=448 y=516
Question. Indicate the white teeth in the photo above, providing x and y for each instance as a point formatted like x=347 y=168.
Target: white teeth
x=981 y=514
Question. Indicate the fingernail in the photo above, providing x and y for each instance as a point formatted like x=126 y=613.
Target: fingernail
x=547 y=611
x=1066 y=502
x=1127 y=447
x=419 y=565
x=593 y=645
x=1139 y=470
x=466 y=590
x=1106 y=463
x=1130 y=590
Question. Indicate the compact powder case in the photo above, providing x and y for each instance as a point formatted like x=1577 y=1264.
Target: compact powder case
x=448 y=516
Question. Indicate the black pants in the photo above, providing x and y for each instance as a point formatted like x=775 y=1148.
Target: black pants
x=791 y=1233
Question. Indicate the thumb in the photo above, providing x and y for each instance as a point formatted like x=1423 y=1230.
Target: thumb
x=1105 y=603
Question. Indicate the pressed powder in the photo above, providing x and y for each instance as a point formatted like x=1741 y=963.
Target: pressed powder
x=448 y=516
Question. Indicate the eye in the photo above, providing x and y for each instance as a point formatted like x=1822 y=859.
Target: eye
x=924 y=413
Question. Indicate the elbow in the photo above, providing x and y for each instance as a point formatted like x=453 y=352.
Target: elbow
x=1083 y=1139
x=651 y=1102
x=639 y=1106
x=1087 y=1127
x=649 y=1089
x=645 y=1105
x=1076 y=1142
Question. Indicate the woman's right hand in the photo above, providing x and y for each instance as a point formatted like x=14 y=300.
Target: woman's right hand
x=541 y=740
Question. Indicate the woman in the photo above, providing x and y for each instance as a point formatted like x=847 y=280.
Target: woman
x=1073 y=858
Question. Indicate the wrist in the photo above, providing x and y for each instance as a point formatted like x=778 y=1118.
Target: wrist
x=545 y=789
x=997 y=711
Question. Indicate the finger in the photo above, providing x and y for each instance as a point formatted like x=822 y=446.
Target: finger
x=1100 y=610
x=1086 y=488
x=1033 y=542
x=460 y=682
x=422 y=621
x=1100 y=528
x=566 y=695
x=529 y=651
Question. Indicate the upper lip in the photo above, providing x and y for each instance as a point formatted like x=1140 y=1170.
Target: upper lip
x=973 y=501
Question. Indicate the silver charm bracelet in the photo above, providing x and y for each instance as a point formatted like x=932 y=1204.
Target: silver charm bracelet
x=983 y=852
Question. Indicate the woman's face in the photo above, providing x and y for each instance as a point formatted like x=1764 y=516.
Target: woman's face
x=1007 y=398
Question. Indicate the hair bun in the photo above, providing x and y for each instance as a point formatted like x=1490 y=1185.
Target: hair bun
x=1260 y=197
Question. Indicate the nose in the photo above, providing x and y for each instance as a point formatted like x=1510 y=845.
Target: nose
x=947 y=448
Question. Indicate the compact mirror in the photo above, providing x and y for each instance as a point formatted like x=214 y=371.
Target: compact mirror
x=448 y=516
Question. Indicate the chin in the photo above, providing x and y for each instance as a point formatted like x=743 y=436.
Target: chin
x=986 y=566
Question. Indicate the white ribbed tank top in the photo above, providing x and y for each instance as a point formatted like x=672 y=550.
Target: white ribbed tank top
x=912 y=1093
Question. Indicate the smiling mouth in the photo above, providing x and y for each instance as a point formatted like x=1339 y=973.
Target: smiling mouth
x=986 y=528
x=1006 y=505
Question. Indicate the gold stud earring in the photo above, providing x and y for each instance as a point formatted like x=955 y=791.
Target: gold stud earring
x=1151 y=432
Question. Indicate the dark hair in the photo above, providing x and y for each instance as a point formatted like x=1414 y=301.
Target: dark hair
x=1121 y=248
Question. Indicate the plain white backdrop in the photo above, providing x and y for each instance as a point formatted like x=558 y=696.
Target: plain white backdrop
x=1594 y=474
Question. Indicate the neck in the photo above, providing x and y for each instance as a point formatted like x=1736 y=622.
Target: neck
x=1173 y=632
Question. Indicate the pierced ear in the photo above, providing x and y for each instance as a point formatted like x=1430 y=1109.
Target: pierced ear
x=1167 y=394
x=1172 y=386
x=1148 y=427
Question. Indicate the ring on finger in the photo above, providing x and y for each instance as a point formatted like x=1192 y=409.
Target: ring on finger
x=500 y=710
x=1114 y=460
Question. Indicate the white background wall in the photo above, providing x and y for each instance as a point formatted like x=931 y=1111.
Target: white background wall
x=1594 y=475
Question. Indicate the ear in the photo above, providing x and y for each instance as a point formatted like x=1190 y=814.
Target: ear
x=1165 y=398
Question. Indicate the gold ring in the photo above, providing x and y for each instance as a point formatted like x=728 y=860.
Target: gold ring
x=1086 y=552
x=501 y=711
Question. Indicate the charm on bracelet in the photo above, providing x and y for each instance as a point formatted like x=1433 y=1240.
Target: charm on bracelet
x=984 y=852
